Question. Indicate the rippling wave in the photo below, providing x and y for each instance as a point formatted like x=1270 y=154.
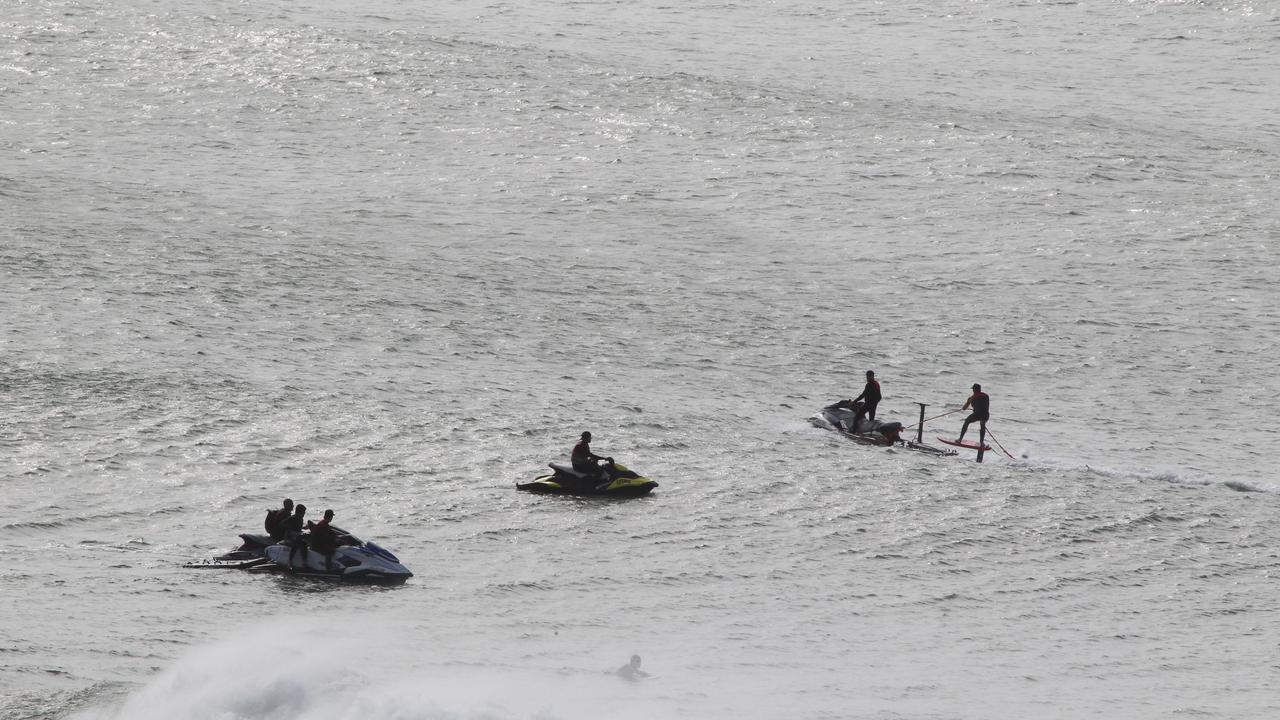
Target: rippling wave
x=393 y=261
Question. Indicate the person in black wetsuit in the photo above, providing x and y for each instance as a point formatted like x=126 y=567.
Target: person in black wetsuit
x=981 y=404
x=293 y=527
x=588 y=463
x=870 y=397
x=274 y=524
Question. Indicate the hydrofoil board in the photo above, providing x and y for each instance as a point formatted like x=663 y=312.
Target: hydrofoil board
x=964 y=444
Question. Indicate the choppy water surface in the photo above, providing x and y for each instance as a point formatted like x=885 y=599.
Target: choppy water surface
x=391 y=260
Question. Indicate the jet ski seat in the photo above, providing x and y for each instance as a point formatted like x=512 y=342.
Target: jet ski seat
x=566 y=469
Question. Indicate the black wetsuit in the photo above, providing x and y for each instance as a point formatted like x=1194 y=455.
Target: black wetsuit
x=585 y=461
x=588 y=463
x=292 y=527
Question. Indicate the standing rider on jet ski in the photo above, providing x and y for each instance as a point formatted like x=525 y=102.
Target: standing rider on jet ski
x=870 y=397
x=588 y=463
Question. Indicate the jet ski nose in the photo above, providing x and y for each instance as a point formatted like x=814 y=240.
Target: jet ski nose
x=381 y=552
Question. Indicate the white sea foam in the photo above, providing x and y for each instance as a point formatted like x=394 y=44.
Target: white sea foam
x=294 y=669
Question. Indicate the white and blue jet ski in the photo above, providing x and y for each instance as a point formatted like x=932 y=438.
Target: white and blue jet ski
x=354 y=560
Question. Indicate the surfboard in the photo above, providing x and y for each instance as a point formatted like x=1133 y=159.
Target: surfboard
x=964 y=444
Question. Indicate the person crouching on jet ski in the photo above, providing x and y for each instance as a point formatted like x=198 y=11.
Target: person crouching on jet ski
x=588 y=463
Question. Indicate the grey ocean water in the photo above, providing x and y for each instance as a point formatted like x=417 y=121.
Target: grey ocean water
x=391 y=258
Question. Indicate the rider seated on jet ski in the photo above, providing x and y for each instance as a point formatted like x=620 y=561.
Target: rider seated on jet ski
x=588 y=463
x=324 y=539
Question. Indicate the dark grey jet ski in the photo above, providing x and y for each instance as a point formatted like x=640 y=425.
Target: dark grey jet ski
x=849 y=419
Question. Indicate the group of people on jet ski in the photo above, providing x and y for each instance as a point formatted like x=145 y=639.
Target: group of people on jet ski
x=286 y=525
x=312 y=549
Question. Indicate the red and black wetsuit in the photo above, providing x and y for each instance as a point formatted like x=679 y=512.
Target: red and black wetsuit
x=981 y=404
x=323 y=539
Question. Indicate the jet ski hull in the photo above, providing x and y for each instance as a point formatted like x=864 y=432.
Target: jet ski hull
x=564 y=481
x=352 y=564
x=843 y=418
x=353 y=561
x=547 y=485
x=847 y=421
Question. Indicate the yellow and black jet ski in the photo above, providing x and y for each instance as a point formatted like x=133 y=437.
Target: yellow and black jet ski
x=564 y=480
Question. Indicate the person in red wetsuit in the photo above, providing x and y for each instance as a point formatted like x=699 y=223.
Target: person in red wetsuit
x=981 y=404
x=324 y=539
